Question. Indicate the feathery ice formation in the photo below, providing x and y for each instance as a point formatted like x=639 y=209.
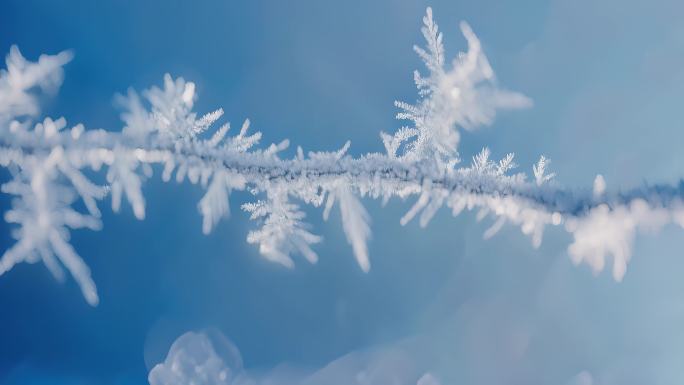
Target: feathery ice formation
x=47 y=161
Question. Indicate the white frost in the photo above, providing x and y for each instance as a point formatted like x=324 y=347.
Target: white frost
x=604 y=232
x=161 y=129
x=21 y=76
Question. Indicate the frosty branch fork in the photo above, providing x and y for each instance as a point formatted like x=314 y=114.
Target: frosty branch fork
x=47 y=161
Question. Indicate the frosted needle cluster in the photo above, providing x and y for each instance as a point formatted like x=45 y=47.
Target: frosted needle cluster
x=57 y=169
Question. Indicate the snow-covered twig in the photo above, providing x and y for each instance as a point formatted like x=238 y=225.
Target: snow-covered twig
x=161 y=129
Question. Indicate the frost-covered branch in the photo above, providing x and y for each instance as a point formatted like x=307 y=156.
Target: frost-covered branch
x=53 y=166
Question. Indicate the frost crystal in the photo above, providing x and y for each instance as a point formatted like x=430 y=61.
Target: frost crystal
x=282 y=231
x=51 y=168
x=464 y=96
x=23 y=76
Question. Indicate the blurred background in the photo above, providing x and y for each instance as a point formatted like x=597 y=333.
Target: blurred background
x=606 y=78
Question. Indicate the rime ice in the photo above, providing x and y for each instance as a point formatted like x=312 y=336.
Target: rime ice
x=47 y=161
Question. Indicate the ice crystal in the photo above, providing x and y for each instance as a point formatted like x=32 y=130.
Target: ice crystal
x=53 y=166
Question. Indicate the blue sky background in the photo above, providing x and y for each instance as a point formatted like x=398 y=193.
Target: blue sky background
x=606 y=78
